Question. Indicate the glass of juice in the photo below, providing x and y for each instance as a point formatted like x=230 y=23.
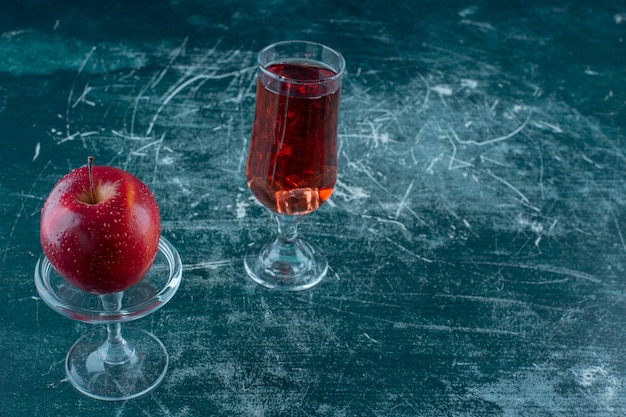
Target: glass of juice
x=292 y=161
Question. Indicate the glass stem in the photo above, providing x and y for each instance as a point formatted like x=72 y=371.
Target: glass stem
x=285 y=257
x=115 y=350
x=287 y=229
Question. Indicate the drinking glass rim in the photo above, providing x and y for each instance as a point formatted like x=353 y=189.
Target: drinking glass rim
x=263 y=67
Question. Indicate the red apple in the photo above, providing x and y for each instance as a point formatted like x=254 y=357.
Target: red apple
x=100 y=228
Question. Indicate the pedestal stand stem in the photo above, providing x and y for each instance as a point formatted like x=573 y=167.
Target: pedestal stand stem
x=115 y=350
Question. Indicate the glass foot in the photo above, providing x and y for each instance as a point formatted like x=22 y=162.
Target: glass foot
x=107 y=377
x=294 y=266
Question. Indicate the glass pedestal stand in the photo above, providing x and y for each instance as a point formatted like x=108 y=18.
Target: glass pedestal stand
x=113 y=365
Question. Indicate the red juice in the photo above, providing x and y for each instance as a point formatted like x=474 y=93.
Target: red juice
x=292 y=160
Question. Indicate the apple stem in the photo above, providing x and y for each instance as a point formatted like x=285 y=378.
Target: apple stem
x=90 y=160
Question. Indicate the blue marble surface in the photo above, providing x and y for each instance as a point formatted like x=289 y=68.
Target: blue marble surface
x=476 y=236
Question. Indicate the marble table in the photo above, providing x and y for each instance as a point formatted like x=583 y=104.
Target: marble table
x=476 y=236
